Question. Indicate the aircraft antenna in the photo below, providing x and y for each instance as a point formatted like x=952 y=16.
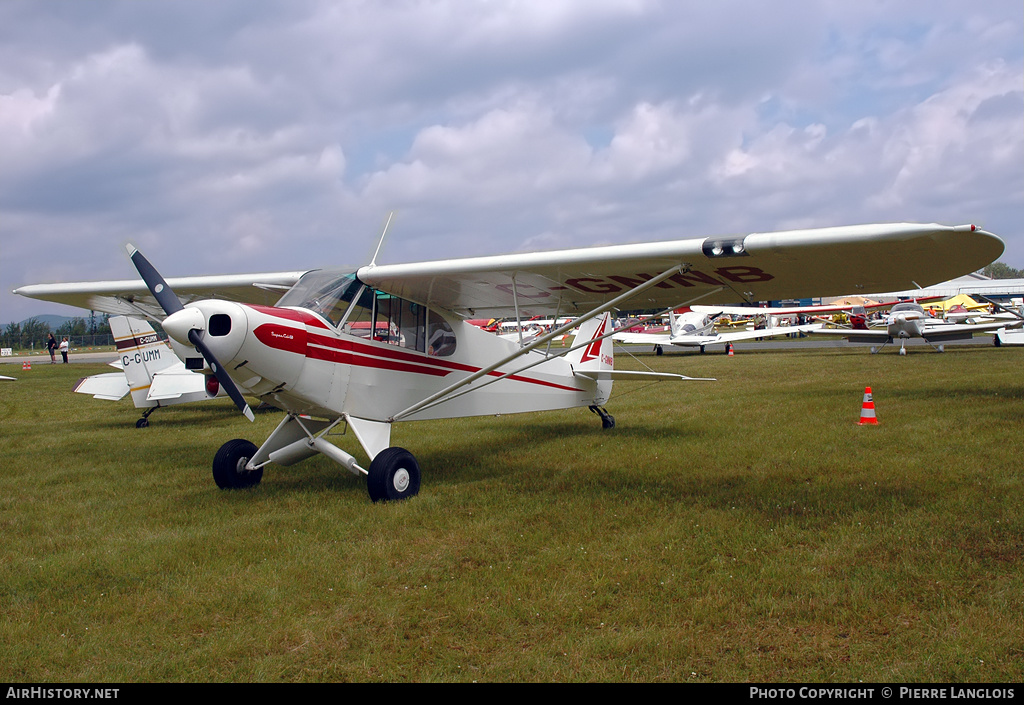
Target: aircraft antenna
x=373 y=261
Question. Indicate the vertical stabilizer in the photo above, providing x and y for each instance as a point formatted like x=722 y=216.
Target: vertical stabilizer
x=597 y=354
x=142 y=355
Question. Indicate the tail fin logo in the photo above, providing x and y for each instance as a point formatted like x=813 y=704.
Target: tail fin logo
x=593 y=351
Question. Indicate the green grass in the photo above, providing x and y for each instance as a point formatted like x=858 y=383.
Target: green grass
x=744 y=529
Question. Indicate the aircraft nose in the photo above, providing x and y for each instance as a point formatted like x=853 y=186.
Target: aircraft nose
x=179 y=324
x=222 y=324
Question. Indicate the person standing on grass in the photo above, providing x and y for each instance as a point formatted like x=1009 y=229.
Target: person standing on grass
x=51 y=345
x=64 y=350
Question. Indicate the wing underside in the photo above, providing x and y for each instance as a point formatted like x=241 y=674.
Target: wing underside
x=743 y=268
x=131 y=297
x=755 y=267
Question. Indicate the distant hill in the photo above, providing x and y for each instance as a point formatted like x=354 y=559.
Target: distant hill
x=50 y=319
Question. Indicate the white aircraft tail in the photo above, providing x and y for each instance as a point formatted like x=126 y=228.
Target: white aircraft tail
x=597 y=355
x=142 y=353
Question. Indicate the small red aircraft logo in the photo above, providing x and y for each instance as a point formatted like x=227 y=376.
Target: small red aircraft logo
x=593 y=350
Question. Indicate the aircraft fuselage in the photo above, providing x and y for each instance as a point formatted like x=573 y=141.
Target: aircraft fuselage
x=299 y=361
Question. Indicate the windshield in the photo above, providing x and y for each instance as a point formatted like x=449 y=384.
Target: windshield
x=337 y=295
x=328 y=292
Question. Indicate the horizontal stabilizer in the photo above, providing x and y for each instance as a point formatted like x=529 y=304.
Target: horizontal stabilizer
x=636 y=376
x=172 y=385
x=110 y=386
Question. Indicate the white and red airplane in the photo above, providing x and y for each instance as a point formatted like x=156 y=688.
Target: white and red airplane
x=150 y=370
x=300 y=355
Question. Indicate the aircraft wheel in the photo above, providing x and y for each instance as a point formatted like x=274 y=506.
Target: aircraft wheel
x=658 y=350
x=229 y=466
x=394 y=474
x=142 y=423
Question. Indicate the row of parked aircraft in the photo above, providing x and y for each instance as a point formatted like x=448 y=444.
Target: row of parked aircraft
x=697 y=326
x=300 y=354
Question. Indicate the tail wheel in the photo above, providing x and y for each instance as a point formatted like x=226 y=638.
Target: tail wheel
x=394 y=474
x=229 y=466
x=607 y=420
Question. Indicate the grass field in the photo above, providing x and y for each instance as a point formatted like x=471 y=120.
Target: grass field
x=740 y=530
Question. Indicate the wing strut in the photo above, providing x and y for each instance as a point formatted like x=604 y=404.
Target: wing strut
x=584 y=344
x=536 y=343
x=519 y=320
x=999 y=306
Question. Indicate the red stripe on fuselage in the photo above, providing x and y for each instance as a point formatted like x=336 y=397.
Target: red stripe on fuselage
x=297 y=315
x=349 y=352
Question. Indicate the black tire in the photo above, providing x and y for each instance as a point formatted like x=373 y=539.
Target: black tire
x=142 y=423
x=229 y=466
x=394 y=475
x=658 y=350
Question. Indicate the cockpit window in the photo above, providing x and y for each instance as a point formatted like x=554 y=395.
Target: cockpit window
x=363 y=312
x=907 y=306
x=327 y=292
x=440 y=336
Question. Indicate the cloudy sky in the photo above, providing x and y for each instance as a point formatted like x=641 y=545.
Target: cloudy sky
x=242 y=136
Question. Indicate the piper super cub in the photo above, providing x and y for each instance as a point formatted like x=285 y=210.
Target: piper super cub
x=415 y=356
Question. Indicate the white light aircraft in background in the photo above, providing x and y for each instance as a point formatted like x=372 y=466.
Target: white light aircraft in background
x=150 y=370
x=696 y=328
x=907 y=320
x=299 y=355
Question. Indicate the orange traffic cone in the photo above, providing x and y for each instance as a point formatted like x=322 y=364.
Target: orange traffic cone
x=730 y=349
x=867 y=409
x=26 y=365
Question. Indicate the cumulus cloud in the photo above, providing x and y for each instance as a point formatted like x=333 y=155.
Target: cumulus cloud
x=238 y=136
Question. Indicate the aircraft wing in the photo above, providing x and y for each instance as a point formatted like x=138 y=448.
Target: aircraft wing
x=962 y=331
x=879 y=335
x=733 y=336
x=755 y=267
x=794 y=310
x=131 y=297
x=643 y=338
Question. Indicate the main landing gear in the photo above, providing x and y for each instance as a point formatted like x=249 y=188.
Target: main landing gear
x=229 y=466
x=394 y=473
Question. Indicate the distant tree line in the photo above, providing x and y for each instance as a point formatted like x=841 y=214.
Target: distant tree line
x=999 y=270
x=80 y=332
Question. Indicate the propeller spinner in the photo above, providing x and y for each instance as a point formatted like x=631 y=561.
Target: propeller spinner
x=188 y=323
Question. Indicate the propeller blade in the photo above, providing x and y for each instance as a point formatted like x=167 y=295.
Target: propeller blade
x=196 y=338
x=157 y=286
x=170 y=303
